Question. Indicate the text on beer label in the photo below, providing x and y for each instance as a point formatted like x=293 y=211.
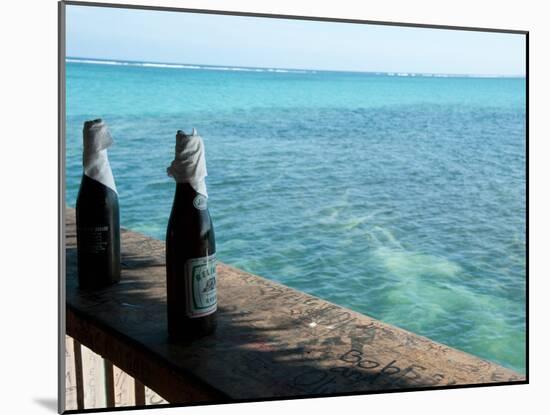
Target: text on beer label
x=200 y=279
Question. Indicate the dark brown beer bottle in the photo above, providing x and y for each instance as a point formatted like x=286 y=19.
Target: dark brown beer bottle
x=97 y=215
x=190 y=245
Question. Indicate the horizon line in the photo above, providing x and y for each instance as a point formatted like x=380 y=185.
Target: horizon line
x=199 y=66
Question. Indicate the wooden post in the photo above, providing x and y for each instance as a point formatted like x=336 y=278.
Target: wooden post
x=139 y=389
x=109 y=384
x=124 y=388
x=153 y=398
x=93 y=370
x=70 y=376
x=79 y=379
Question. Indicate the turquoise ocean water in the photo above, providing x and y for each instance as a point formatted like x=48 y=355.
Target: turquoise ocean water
x=401 y=197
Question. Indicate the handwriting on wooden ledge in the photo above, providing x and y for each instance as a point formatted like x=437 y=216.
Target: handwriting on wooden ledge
x=283 y=342
x=362 y=372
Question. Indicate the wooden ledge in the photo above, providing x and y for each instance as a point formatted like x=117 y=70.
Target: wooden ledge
x=272 y=341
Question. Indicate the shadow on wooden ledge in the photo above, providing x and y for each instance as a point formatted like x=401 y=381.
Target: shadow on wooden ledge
x=272 y=341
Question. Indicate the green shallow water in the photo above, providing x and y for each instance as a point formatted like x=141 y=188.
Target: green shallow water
x=399 y=197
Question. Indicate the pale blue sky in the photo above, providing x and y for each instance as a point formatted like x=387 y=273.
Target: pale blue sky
x=159 y=36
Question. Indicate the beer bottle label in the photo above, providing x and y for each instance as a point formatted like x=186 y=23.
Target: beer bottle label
x=94 y=239
x=200 y=202
x=200 y=277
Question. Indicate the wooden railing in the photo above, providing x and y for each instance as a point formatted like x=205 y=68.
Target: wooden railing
x=93 y=382
x=271 y=342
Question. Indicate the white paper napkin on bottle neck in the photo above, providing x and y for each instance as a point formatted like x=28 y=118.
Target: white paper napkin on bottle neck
x=189 y=164
x=97 y=139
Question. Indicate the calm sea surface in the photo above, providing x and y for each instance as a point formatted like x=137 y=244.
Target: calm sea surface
x=399 y=197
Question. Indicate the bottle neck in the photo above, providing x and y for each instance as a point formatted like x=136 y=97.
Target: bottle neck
x=186 y=196
x=189 y=165
x=96 y=166
x=95 y=159
x=185 y=190
x=97 y=139
x=194 y=186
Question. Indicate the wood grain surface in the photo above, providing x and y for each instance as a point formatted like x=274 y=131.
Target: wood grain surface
x=271 y=342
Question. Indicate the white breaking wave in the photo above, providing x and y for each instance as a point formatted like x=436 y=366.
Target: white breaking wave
x=96 y=62
x=275 y=70
x=167 y=65
x=183 y=66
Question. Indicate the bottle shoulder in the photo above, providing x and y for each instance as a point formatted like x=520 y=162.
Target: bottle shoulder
x=187 y=200
x=94 y=193
x=189 y=217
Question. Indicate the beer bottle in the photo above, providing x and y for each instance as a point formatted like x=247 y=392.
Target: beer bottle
x=190 y=245
x=97 y=216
